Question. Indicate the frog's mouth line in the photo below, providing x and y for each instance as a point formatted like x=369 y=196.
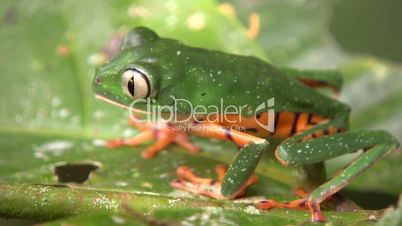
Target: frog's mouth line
x=100 y=97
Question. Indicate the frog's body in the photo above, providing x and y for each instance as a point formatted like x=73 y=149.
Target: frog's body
x=150 y=67
x=286 y=124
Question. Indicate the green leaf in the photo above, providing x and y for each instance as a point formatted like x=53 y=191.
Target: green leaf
x=209 y=216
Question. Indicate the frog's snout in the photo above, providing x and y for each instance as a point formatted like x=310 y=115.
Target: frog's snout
x=98 y=80
x=98 y=77
x=96 y=84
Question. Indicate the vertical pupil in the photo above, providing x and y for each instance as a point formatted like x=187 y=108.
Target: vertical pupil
x=130 y=86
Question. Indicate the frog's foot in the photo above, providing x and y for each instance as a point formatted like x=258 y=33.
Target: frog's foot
x=162 y=133
x=207 y=186
x=302 y=203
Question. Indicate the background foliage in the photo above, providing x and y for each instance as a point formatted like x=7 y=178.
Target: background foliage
x=50 y=121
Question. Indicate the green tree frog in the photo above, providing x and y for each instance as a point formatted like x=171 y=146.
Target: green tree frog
x=154 y=71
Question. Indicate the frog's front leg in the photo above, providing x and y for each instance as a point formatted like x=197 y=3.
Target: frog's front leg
x=297 y=151
x=163 y=133
x=233 y=182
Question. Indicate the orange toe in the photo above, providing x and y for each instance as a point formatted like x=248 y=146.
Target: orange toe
x=114 y=143
x=162 y=133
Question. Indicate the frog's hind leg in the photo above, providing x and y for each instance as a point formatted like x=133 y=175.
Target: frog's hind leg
x=233 y=182
x=317 y=79
x=163 y=133
x=296 y=151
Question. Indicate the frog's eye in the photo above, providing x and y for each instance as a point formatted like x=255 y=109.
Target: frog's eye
x=135 y=84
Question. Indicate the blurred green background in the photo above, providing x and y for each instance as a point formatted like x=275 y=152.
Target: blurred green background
x=369 y=27
x=49 y=117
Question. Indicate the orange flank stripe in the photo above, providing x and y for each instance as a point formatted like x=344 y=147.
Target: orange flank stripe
x=319 y=133
x=317 y=84
x=316 y=119
x=309 y=137
x=313 y=83
x=290 y=123
x=329 y=131
x=302 y=122
x=220 y=132
x=284 y=123
x=244 y=124
x=332 y=130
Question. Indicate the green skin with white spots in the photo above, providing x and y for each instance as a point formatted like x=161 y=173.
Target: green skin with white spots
x=207 y=77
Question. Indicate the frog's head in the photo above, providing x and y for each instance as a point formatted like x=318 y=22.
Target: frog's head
x=131 y=75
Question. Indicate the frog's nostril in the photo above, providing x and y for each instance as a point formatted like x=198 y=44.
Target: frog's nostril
x=98 y=80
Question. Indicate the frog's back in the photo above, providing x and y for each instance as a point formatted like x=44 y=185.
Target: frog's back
x=202 y=75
